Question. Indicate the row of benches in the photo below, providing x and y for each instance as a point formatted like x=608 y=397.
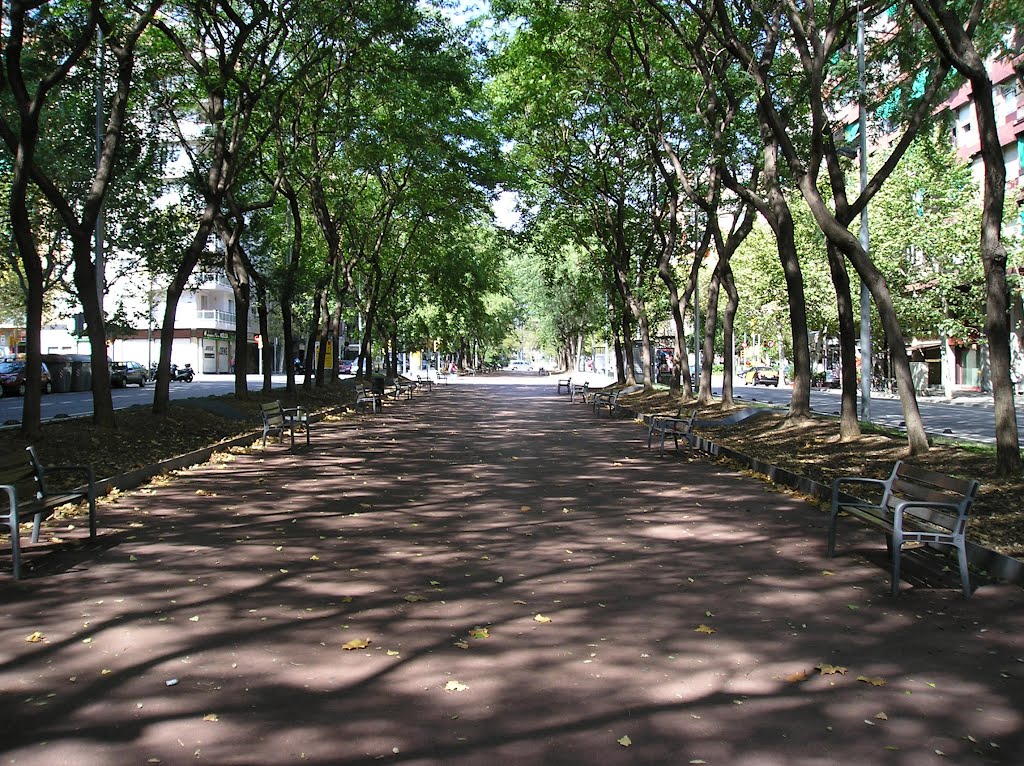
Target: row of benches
x=912 y=505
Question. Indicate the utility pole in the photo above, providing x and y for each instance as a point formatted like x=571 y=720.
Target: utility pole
x=865 y=294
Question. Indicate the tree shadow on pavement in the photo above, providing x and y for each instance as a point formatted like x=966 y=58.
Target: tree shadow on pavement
x=531 y=586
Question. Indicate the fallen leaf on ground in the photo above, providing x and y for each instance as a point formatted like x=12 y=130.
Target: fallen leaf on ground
x=881 y=717
x=392 y=653
x=211 y=717
x=795 y=678
x=541 y=618
x=830 y=670
x=479 y=633
x=356 y=643
x=525 y=509
x=35 y=638
x=455 y=686
x=412 y=598
x=462 y=644
x=873 y=680
x=704 y=629
x=624 y=741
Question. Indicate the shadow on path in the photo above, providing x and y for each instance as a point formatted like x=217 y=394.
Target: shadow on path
x=675 y=602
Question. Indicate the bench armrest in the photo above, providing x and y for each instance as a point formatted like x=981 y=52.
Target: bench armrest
x=954 y=509
x=12 y=498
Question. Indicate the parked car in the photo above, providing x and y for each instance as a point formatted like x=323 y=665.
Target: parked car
x=12 y=378
x=125 y=373
x=761 y=376
x=520 y=365
x=345 y=367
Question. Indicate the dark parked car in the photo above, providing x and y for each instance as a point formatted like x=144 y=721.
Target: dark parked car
x=12 y=378
x=761 y=376
x=125 y=373
x=345 y=367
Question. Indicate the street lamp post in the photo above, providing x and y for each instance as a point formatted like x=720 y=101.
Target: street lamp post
x=865 y=295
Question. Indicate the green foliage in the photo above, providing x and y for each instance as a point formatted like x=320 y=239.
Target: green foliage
x=925 y=227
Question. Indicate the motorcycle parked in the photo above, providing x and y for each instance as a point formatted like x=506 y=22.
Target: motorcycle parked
x=185 y=373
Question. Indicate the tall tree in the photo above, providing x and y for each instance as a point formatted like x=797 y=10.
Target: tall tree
x=959 y=30
x=45 y=42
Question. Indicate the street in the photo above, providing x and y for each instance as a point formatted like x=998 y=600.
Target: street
x=77 y=403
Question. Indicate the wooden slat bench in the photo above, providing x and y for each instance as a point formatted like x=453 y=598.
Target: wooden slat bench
x=579 y=389
x=914 y=506
x=609 y=400
x=278 y=420
x=400 y=388
x=677 y=425
x=367 y=398
x=23 y=481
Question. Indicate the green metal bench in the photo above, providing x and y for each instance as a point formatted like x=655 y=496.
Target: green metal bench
x=278 y=420
x=677 y=425
x=914 y=506
x=23 y=480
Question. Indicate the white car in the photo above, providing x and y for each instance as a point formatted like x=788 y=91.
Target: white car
x=520 y=365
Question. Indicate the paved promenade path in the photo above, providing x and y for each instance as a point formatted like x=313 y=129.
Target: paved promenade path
x=532 y=587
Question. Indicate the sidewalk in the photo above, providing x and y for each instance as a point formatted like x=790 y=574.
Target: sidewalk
x=532 y=587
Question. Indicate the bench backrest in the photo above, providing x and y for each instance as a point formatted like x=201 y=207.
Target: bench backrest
x=21 y=470
x=273 y=414
x=910 y=482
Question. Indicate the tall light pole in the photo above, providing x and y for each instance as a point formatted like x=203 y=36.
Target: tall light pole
x=696 y=309
x=100 y=264
x=865 y=294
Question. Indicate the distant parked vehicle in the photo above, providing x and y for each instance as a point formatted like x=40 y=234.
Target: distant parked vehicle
x=124 y=373
x=345 y=367
x=761 y=376
x=13 y=376
x=520 y=365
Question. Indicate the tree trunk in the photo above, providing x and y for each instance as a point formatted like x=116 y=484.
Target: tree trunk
x=849 y=424
x=86 y=287
x=728 y=323
x=845 y=242
x=782 y=223
x=162 y=388
x=993 y=257
x=710 y=325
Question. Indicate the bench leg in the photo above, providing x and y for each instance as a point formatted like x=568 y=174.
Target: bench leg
x=650 y=432
x=896 y=551
x=965 y=577
x=15 y=551
x=92 y=516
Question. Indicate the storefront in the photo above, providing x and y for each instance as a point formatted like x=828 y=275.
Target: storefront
x=217 y=349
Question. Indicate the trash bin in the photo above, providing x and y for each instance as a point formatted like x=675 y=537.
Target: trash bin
x=81 y=372
x=59 y=366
